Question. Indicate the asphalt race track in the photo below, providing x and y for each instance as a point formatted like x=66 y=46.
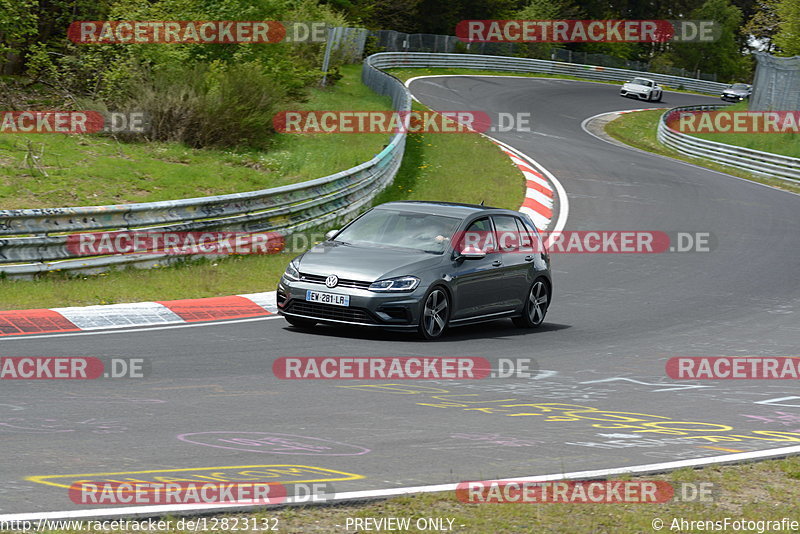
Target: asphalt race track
x=615 y=320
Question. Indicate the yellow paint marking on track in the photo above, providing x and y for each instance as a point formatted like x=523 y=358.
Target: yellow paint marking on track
x=231 y=473
x=720 y=448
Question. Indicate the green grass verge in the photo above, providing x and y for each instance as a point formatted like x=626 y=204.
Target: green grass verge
x=758 y=491
x=435 y=167
x=639 y=130
x=765 y=491
x=94 y=170
x=456 y=168
x=787 y=144
x=406 y=73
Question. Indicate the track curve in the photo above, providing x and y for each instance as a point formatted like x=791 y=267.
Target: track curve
x=614 y=322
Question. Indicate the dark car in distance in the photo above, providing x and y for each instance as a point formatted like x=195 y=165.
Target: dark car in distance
x=421 y=266
x=737 y=92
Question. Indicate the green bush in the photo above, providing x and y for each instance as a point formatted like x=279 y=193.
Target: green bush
x=199 y=94
x=205 y=105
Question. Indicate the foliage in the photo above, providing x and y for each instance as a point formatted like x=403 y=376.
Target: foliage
x=764 y=24
x=544 y=10
x=722 y=55
x=209 y=104
x=788 y=36
x=184 y=86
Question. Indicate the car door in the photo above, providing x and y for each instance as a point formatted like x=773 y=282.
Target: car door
x=477 y=283
x=512 y=241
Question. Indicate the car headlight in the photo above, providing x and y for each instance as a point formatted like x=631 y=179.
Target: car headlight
x=401 y=283
x=292 y=271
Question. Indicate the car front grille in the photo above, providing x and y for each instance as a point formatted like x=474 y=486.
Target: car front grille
x=343 y=282
x=329 y=311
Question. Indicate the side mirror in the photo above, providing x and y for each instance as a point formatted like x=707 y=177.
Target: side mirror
x=472 y=253
x=329 y=235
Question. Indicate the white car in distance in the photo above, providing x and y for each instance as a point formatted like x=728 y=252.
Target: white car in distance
x=643 y=89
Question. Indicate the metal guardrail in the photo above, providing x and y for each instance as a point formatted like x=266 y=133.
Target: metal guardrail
x=765 y=163
x=35 y=240
x=517 y=64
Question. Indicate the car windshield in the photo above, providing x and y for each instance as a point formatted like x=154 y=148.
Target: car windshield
x=642 y=81
x=739 y=86
x=390 y=228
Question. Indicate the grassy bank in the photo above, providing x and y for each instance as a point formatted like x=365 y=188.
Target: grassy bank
x=72 y=170
x=787 y=144
x=639 y=130
x=456 y=168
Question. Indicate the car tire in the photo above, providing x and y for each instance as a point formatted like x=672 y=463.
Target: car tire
x=536 y=304
x=659 y=97
x=300 y=323
x=435 y=314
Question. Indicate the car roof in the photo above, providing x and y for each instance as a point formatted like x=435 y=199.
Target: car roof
x=448 y=209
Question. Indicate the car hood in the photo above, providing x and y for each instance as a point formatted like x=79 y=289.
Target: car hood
x=629 y=85
x=736 y=92
x=357 y=262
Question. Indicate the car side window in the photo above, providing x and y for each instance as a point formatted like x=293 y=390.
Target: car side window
x=508 y=234
x=526 y=238
x=481 y=235
x=535 y=244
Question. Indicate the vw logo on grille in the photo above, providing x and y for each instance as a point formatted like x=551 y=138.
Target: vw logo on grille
x=332 y=280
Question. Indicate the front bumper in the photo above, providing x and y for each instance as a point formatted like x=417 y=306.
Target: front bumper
x=625 y=92
x=732 y=98
x=396 y=311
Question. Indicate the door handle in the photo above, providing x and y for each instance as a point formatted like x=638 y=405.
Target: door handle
x=528 y=258
x=497 y=263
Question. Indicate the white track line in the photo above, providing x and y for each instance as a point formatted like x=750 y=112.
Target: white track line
x=138 y=329
x=563 y=200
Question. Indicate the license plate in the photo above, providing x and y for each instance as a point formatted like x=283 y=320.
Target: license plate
x=328 y=298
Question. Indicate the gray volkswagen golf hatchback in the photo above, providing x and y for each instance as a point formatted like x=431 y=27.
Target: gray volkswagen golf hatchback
x=421 y=266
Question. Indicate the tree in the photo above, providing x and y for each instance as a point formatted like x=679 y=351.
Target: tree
x=546 y=10
x=788 y=37
x=764 y=24
x=723 y=55
x=17 y=24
